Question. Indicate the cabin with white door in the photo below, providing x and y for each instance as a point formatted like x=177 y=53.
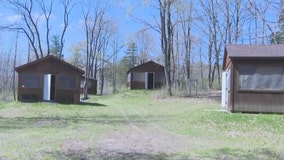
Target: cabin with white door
x=253 y=78
x=149 y=75
x=49 y=79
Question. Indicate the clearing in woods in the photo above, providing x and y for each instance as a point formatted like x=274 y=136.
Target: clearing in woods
x=137 y=125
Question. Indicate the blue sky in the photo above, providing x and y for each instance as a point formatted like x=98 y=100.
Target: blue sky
x=119 y=12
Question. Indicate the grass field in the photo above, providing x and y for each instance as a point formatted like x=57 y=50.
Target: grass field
x=137 y=125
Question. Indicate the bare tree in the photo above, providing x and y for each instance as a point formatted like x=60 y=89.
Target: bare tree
x=166 y=32
x=14 y=66
x=7 y=72
x=186 y=24
x=88 y=50
x=144 y=45
x=76 y=58
x=234 y=19
x=214 y=31
x=116 y=47
x=94 y=24
x=30 y=22
x=210 y=29
x=103 y=46
x=47 y=10
x=259 y=12
x=165 y=27
x=67 y=8
x=30 y=26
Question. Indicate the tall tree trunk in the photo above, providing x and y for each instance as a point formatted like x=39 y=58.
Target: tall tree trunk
x=116 y=49
x=14 y=66
x=166 y=40
x=102 y=81
x=114 y=89
x=87 y=67
x=210 y=65
x=201 y=70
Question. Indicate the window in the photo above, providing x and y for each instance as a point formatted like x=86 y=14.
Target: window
x=261 y=78
x=139 y=76
x=31 y=81
x=68 y=82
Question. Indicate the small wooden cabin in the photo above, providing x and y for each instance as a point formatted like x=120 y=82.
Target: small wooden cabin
x=49 y=79
x=253 y=78
x=149 y=75
x=92 y=85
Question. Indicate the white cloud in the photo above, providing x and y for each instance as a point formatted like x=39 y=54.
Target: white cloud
x=13 y=18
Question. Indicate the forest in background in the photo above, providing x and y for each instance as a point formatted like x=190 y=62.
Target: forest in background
x=191 y=38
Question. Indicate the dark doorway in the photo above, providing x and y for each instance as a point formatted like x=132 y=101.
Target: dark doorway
x=52 y=88
x=150 y=81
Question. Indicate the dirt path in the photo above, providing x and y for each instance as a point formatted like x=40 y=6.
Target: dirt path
x=142 y=142
x=147 y=141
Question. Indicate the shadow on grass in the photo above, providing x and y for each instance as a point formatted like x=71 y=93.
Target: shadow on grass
x=59 y=122
x=30 y=122
x=110 y=155
x=92 y=104
x=236 y=154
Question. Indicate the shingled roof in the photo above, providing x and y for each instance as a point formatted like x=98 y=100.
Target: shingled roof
x=257 y=51
x=146 y=67
x=49 y=58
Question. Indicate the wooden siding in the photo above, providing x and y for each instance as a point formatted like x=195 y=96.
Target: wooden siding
x=256 y=101
x=228 y=63
x=137 y=85
x=149 y=67
x=92 y=85
x=259 y=102
x=55 y=67
x=140 y=84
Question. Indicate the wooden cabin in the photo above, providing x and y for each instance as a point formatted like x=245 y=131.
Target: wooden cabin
x=49 y=79
x=253 y=78
x=149 y=75
x=92 y=85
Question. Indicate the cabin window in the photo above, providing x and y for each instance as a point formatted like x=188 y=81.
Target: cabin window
x=261 y=78
x=31 y=81
x=139 y=76
x=68 y=82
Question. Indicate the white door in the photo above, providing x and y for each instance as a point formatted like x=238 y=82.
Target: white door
x=46 y=87
x=146 y=80
x=224 y=86
x=226 y=80
x=228 y=87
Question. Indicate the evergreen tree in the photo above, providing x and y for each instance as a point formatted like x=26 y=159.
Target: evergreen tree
x=55 y=46
x=131 y=54
x=122 y=67
x=128 y=61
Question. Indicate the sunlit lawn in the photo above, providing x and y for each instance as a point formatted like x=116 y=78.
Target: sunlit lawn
x=57 y=131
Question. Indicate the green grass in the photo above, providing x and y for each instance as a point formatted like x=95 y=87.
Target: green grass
x=57 y=131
